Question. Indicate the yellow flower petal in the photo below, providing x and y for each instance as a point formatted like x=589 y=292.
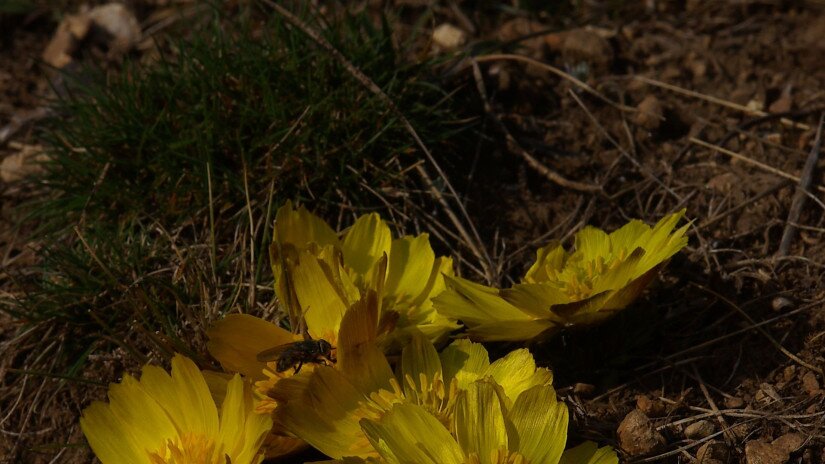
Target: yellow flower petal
x=465 y=361
x=592 y=243
x=109 y=437
x=502 y=331
x=409 y=434
x=589 y=453
x=479 y=421
x=216 y=381
x=319 y=298
x=148 y=422
x=199 y=413
x=536 y=299
x=550 y=257
x=410 y=259
x=300 y=228
x=365 y=243
x=419 y=362
x=541 y=424
x=324 y=416
x=516 y=372
x=630 y=236
x=366 y=368
x=475 y=304
x=359 y=324
x=236 y=340
x=239 y=424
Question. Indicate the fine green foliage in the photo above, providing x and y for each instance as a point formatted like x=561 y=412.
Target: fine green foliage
x=164 y=178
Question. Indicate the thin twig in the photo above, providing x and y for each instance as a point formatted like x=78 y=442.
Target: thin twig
x=804 y=186
x=473 y=242
x=537 y=165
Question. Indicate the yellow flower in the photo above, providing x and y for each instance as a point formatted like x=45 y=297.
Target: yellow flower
x=327 y=409
x=319 y=277
x=163 y=419
x=604 y=274
x=485 y=430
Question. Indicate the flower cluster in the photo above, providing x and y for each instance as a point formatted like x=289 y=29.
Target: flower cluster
x=363 y=375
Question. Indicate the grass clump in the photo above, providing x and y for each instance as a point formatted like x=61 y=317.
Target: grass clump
x=164 y=179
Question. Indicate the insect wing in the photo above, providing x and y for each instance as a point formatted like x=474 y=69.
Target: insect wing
x=272 y=354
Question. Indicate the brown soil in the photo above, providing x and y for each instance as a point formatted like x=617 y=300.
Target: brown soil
x=733 y=333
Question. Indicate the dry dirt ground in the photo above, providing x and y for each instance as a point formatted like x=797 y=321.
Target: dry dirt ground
x=646 y=109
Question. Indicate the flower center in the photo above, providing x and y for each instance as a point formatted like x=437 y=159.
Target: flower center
x=432 y=395
x=189 y=449
x=265 y=401
x=579 y=279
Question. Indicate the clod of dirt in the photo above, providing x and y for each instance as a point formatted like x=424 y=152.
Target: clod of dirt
x=21 y=164
x=638 y=436
x=722 y=183
x=759 y=452
x=713 y=452
x=518 y=28
x=767 y=393
x=810 y=384
x=699 y=429
x=584 y=45
x=784 y=103
x=448 y=37
x=651 y=407
x=650 y=113
x=789 y=443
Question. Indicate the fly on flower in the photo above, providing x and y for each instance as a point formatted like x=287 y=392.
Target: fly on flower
x=319 y=276
x=295 y=354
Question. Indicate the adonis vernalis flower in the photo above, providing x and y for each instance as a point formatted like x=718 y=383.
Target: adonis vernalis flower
x=328 y=409
x=452 y=407
x=317 y=272
x=604 y=274
x=163 y=419
x=485 y=430
x=319 y=277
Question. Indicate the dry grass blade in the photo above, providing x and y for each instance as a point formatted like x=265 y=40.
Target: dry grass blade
x=622 y=150
x=715 y=100
x=537 y=165
x=473 y=242
x=729 y=437
x=578 y=83
x=747 y=160
x=768 y=336
x=804 y=186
